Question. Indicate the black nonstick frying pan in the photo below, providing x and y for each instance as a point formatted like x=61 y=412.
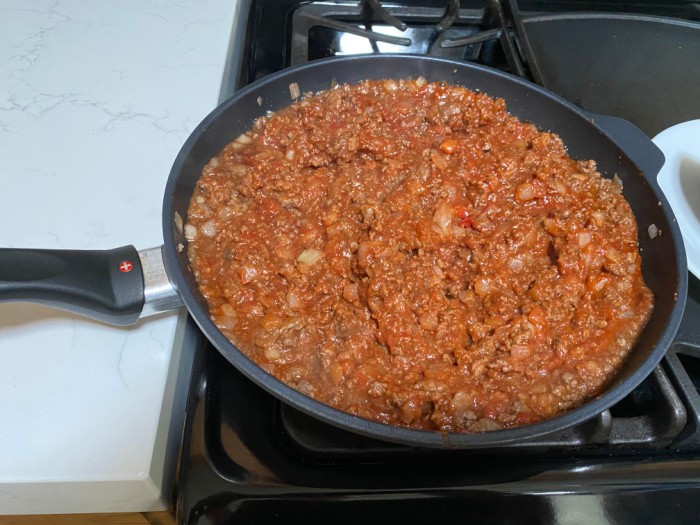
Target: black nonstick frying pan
x=122 y=285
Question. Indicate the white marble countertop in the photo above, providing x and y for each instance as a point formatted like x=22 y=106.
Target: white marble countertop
x=96 y=99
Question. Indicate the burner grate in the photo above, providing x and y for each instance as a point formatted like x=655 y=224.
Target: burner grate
x=481 y=35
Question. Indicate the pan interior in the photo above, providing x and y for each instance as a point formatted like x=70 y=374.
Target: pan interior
x=663 y=270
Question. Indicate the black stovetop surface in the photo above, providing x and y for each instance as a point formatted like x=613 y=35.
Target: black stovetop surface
x=248 y=458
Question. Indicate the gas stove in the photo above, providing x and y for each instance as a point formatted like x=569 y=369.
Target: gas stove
x=249 y=458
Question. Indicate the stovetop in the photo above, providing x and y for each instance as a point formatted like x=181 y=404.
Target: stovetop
x=249 y=458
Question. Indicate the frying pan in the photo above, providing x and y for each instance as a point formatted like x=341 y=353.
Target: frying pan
x=120 y=286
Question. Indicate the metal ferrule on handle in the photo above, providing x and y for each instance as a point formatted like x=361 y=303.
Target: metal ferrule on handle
x=116 y=286
x=159 y=293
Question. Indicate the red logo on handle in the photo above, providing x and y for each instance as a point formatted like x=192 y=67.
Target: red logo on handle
x=125 y=266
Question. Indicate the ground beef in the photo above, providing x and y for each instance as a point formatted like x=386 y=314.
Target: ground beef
x=411 y=253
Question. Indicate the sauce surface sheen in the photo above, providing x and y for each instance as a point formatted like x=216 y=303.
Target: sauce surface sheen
x=411 y=253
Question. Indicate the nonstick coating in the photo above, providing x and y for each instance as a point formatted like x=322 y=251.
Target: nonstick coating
x=663 y=258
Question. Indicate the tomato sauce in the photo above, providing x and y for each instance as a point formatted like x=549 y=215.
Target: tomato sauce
x=411 y=253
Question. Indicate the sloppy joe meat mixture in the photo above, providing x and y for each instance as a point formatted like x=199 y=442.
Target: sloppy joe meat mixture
x=411 y=253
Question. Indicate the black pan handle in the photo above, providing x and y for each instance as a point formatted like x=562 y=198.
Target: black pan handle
x=632 y=141
x=106 y=285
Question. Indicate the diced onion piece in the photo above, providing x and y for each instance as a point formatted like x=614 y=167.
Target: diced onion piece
x=568 y=378
x=190 y=232
x=239 y=169
x=209 y=229
x=248 y=274
x=420 y=81
x=519 y=351
x=653 y=231
x=560 y=187
x=309 y=256
x=259 y=101
x=294 y=91
x=516 y=264
x=391 y=85
x=293 y=300
x=598 y=217
x=617 y=180
x=226 y=322
x=443 y=216
x=583 y=239
x=458 y=231
x=179 y=223
x=272 y=354
x=271 y=322
x=350 y=293
x=226 y=213
x=241 y=140
x=486 y=424
x=227 y=309
x=482 y=287
x=462 y=401
x=525 y=192
x=613 y=255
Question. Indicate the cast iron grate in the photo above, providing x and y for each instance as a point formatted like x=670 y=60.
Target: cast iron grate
x=478 y=34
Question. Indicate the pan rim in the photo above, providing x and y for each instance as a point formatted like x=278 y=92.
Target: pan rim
x=376 y=430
